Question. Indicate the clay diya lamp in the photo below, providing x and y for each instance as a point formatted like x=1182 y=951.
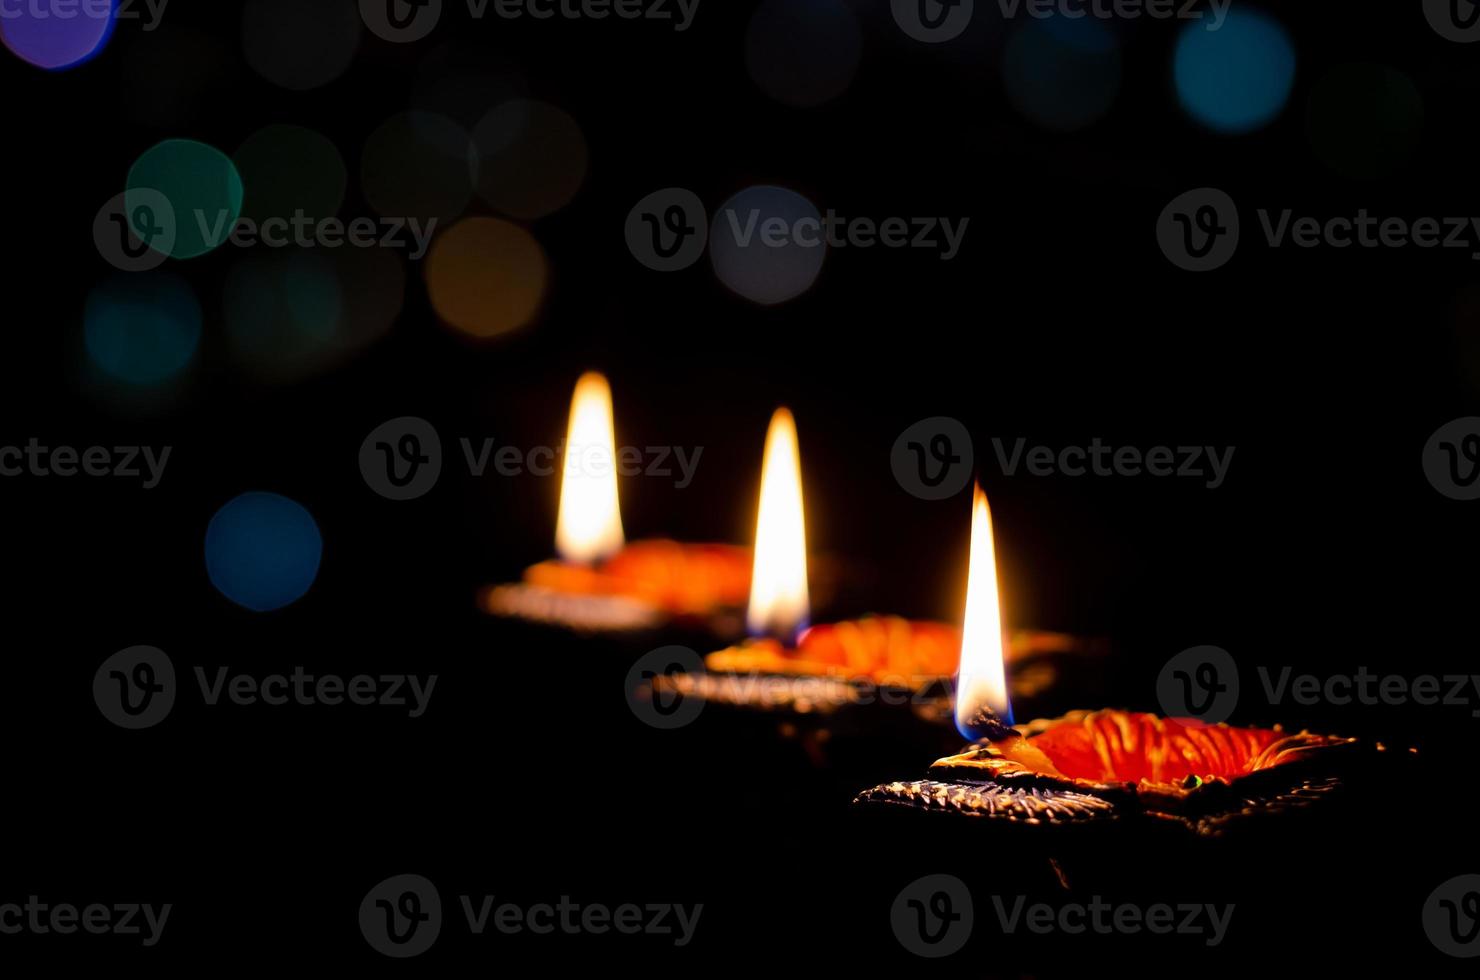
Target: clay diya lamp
x=1109 y=764
x=785 y=663
x=1090 y=767
x=601 y=582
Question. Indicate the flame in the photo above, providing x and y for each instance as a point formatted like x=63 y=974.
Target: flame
x=590 y=523
x=982 y=682
x=779 y=604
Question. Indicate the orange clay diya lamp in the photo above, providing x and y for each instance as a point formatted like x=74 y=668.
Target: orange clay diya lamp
x=788 y=665
x=1090 y=766
x=600 y=582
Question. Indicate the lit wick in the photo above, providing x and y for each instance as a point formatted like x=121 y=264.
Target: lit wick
x=984 y=724
x=983 y=709
x=780 y=606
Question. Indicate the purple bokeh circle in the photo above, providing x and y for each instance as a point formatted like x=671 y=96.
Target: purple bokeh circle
x=56 y=34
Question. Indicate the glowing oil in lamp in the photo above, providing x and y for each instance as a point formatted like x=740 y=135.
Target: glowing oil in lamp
x=1103 y=764
x=601 y=582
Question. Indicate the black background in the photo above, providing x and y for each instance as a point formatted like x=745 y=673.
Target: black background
x=1059 y=321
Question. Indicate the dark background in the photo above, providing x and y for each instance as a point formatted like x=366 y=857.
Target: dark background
x=1059 y=321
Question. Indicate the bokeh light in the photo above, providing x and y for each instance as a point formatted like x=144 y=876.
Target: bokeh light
x=1363 y=120
x=418 y=165
x=202 y=186
x=263 y=551
x=744 y=260
x=1237 y=78
x=282 y=311
x=486 y=276
x=803 y=53
x=1062 y=73
x=40 y=35
x=532 y=158
x=290 y=169
x=142 y=328
x=300 y=44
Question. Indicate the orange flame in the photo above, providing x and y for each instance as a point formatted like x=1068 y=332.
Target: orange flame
x=982 y=681
x=590 y=524
x=779 y=601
